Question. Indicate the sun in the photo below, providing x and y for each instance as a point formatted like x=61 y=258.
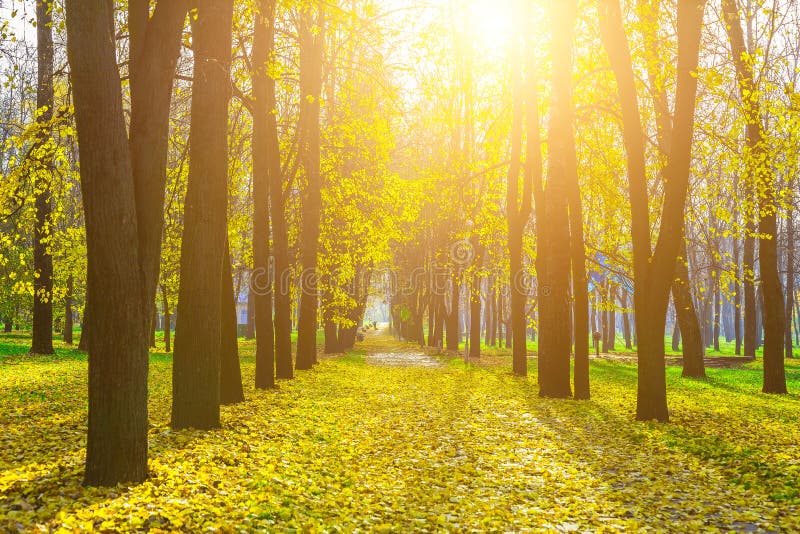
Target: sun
x=491 y=21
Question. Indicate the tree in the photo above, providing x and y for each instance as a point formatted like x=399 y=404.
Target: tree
x=116 y=449
x=564 y=32
x=43 y=228
x=119 y=256
x=525 y=113
x=280 y=232
x=654 y=268
x=760 y=174
x=311 y=59
x=264 y=143
x=196 y=361
x=689 y=324
x=552 y=220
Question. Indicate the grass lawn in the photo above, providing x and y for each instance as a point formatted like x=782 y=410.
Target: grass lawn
x=349 y=446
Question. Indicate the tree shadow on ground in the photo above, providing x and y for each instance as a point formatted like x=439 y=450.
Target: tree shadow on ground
x=603 y=436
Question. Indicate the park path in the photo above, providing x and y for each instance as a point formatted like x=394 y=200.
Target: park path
x=383 y=349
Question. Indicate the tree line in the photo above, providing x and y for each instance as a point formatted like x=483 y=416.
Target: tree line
x=630 y=161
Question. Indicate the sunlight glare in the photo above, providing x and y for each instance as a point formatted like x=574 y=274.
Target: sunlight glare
x=491 y=21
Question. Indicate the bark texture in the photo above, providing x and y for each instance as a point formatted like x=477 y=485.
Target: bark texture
x=196 y=361
x=116 y=448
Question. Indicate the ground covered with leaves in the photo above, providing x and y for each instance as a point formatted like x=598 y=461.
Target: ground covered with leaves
x=351 y=446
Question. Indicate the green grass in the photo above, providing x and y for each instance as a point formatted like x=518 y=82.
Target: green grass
x=351 y=446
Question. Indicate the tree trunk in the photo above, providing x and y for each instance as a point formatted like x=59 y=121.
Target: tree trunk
x=452 y=317
x=42 y=258
x=525 y=120
x=763 y=180
x=790 y=260
x=331 y=329
x=687 y=327
x=491 y=319
x=563 y=37
x=230 y=376
x=280 y=237
x=83 y=342
x=676 y=336
x=797 y=318
x=68 y=320
x=737 y=299
x=691 y=334
x=475 y=303
x=750 y=311
x=250 y=331
x=311 y=59
x=626 y=323
x=8 y=325
x=196 y=361
x=167 y=319
x=116 y=447
x=759 y=317
x=263 y=280
x=611 y=319
x=727 y=319
x=153 y=325
x=708 y=314
x=475 y=321
x=331 y=336
x=155 y=43
x=438 y=328
x=717 y=311
x=431 y=318
x=500 y=324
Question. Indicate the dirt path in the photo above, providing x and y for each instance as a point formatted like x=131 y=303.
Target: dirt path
x=383 y=349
